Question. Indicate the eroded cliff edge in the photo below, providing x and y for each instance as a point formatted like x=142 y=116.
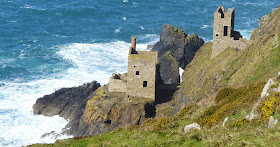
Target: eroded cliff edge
x=91 y=109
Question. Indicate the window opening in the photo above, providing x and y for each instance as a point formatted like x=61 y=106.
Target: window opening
x=225 y=30
x=137 y=72
x=145 y=83
x=222 y=13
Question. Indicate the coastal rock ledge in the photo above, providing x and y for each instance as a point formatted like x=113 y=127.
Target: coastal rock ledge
x=68 y=103
x=92 y=110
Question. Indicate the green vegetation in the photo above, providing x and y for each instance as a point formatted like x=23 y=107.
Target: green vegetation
x=270 y=106
x=257 y=63
x=214 y=137
x=238 y=131
x=234 y=103
x=230 y=101
x=189 y=110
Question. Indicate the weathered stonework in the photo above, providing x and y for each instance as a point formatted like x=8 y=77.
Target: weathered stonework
x=118 y=83
x=141 y=75
x=223 y=32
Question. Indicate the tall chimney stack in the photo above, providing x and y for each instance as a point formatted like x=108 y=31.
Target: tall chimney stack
x=133 y=42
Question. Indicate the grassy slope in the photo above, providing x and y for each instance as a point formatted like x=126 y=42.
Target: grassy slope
x=259 y=62
x=214 y=137
x=169 y=131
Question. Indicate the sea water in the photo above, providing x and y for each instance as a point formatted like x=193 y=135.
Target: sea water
x=46 y=45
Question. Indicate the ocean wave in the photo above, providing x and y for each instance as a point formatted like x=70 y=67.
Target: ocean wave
x=91 y=61
x=258 y=3
x=18 y=125
x=245 y=33
x=205 y=26
x=97 y=61
x=123 y=18
x=117 y=30
x=32 y=7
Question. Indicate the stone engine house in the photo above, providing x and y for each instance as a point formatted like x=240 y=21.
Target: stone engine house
x=223 y=32
x=141 y=77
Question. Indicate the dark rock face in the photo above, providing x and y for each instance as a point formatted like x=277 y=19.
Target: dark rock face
x=68 y=103
x=182 y=46
x=175 y=44
x=169 y=69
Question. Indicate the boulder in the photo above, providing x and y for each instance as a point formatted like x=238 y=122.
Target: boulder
x=182 y=46
x=195 y=126
x=169 y=69
x=272 y=122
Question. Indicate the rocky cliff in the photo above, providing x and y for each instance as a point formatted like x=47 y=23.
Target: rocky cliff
x=108 y=111
x=68 y=103
x=175 y=49
x=203 y=77
x=169 y=69
x=182 y=46
x=91 y=109
x=94 y=111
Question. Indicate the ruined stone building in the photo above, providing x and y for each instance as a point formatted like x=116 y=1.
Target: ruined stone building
x=223 y=32
x=140 y=80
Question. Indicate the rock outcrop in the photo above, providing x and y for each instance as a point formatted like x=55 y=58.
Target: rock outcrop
x=68 y=103
x=269 y=24
x=94 y=111
x=182 y=46
x=169 y=69
x=194 y=126
x=107 y=111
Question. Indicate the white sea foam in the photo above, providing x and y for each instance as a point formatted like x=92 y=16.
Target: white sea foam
x=205 y=26
x=117 y=30
x=181 y=73
x=32 y=7
x=97 y=61
x=18 y=126
x=152 y=39
x=94 y=61
x=246 y=33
